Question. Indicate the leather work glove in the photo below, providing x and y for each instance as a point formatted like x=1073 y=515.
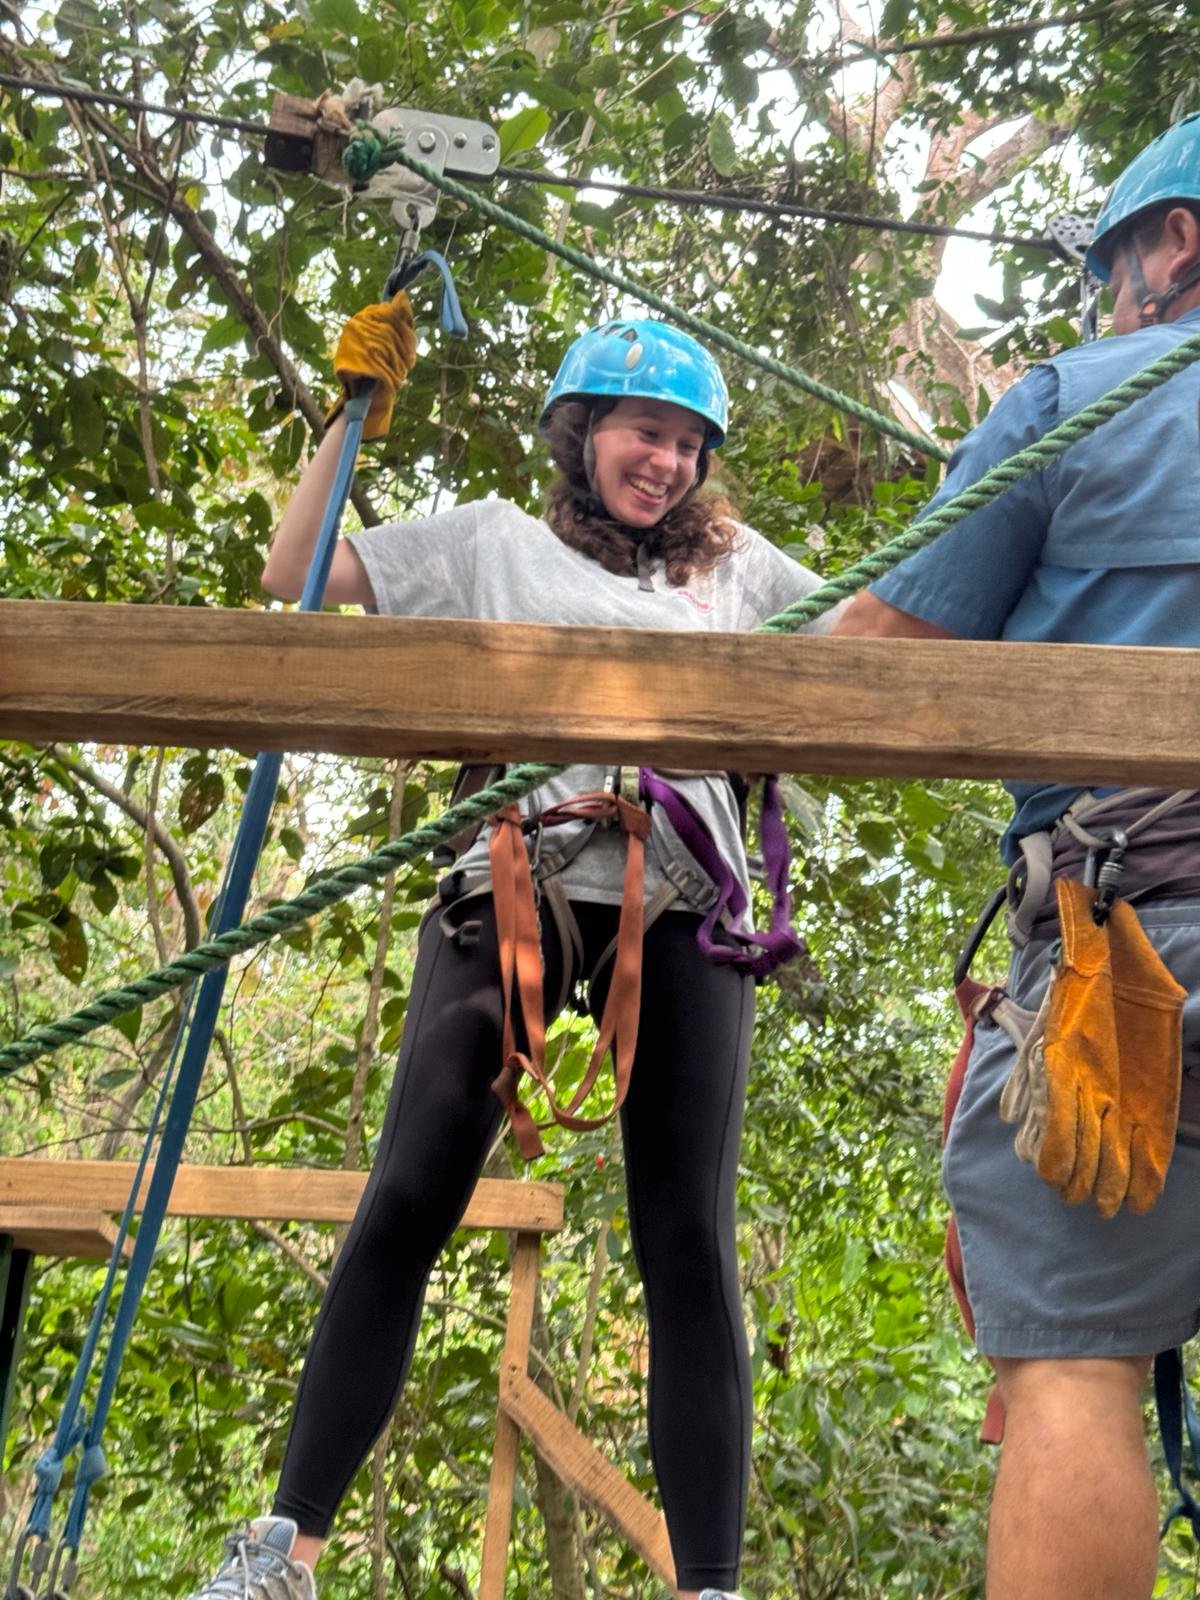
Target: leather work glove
x=377 y=342
x=1149 y=1013
x=1065 y=1085
x=1095 y=1088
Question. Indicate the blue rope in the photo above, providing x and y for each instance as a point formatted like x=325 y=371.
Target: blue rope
x=73 y=1429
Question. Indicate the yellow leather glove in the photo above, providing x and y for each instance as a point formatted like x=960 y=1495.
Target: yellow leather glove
x=1095 y=1089
x=1149 y=1014
x=1066 y=1083
x=377 y=342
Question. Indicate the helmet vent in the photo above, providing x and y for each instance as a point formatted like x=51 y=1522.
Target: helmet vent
x=633 y=357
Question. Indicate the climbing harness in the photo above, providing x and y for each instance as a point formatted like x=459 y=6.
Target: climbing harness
x=1122 y=831
x=519 y=878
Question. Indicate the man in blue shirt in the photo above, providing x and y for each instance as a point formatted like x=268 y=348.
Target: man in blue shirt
x=1102 y=547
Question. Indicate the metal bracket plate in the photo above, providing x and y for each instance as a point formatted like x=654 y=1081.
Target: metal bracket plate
x=454 y=145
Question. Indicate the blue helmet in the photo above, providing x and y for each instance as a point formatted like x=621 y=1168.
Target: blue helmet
x=644 y=360
x=1167 y=169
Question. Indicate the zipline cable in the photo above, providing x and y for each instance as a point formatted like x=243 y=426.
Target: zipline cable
x=719 y=200
x=367 y=154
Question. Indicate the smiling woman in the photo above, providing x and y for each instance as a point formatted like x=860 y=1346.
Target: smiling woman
x=628 y=539
x=646 y=454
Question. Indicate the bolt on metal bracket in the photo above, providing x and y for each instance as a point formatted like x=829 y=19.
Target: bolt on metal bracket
x=454 y=145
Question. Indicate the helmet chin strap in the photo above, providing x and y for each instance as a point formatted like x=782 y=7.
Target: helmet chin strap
x=1153 y=304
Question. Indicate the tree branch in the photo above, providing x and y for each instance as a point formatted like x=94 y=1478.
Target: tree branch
x=966 y=38
x=218 y=266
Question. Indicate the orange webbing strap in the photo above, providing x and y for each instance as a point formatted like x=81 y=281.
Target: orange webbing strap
x=974 y=1000
x=519 y=937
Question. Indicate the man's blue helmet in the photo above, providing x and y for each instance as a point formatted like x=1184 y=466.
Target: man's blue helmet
x=1168 y=169
x=644 y=360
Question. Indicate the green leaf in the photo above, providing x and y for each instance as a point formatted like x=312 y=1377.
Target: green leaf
x=129 y=1024
x=523 y=131
x=69 y=947
x=292 y=843
x=199 y=799
x=104 y=893
x=722 y=151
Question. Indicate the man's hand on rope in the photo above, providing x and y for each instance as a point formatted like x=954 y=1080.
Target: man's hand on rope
x=377 y=342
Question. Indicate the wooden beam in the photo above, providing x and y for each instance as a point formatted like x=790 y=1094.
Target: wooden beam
x=578 y=1463
x=502 y=1482
x=506 y=691
x=66 y=1232
x=259 y=1194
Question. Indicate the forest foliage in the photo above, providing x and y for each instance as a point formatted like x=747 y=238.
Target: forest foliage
x=167 y=312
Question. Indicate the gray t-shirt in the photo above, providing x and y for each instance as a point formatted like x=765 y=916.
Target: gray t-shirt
x=492 y=561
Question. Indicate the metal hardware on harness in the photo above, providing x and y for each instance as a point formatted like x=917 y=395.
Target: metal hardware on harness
x=38 y=1562
x=62 y=1573
x=1071 y=235
x=1104 y=869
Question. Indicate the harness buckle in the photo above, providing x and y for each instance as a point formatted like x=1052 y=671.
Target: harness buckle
x=1104 y=868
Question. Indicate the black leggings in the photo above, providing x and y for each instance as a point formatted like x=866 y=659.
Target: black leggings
x=681 y=1127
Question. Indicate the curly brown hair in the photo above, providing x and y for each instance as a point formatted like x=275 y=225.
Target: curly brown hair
x=694 y=536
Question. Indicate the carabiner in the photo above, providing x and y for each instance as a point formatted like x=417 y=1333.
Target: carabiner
x=1108 y=878
x=16 y=1590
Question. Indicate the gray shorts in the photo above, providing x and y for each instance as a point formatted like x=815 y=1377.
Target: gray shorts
x=1048 y=1279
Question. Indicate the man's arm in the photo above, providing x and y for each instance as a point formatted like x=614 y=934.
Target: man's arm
x=869 y=617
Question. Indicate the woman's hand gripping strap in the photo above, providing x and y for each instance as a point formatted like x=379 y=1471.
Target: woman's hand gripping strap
x=378 y=343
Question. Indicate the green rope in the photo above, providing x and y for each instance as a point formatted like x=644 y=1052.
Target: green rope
x=318 y=896
x=522 y=780
x=988 y=488
x=366 y=153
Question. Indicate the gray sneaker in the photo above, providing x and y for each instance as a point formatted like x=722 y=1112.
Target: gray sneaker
x=258 y=1566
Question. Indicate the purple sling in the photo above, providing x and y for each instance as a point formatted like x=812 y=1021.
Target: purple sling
x=756 y=953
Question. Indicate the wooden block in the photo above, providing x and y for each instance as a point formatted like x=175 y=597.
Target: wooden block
x=582 y=1468
x=289 y=142
x=66 y=1232
x=485 y=691
x=261 y=1194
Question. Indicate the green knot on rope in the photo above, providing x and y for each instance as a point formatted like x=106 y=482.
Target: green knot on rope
x=365 y=154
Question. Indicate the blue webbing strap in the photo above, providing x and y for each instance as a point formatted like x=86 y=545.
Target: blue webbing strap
x=1177 y=1412
x=247 y=847
x=453 y=321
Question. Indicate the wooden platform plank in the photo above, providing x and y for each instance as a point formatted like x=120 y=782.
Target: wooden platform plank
x=260 y=1194
x=73 y=1233
x=504 y=691
x=578 y=1463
